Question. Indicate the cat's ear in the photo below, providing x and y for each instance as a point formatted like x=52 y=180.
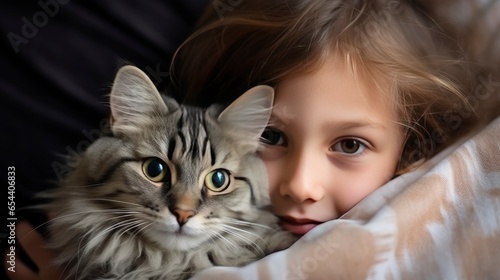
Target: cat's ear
x=133 y=98
x=247 y=117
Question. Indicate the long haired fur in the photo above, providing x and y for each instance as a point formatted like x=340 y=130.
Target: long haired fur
x=176 y=189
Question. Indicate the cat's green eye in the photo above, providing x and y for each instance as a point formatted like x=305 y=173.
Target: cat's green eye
x=217 y=180
x=155 y=169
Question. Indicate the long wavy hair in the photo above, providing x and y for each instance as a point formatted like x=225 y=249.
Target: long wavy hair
x=421 y=70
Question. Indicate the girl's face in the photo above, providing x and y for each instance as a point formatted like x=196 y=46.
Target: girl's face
x=332 y=140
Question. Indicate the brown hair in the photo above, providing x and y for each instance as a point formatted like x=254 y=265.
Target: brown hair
x=264 y=42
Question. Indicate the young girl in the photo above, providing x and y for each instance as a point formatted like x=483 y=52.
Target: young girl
x=365 y=91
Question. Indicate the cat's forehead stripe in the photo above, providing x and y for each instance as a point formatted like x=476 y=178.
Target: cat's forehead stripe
x=207 y=144
x=180 y=122
x=192 y=132
x=204 y=147
x=195 y=150
x=212 y=156
x=183 y=141
x=171 y=148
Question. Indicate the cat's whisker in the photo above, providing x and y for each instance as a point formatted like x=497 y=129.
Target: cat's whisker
x=52 y=220
x=65 y=269
x=116 y=215
x=93 y=211
x=107 y=200
x=244 y=231
x=211 y=236
x=105 y=231
x=232 y=231
x=139 y=229
x=138 y=224
x=241 y=222
x=77 y=255
x=144 y=228
x=128 y=225
x=112 y=227
x=124 y=225
x=116 y=201
x=89 y=185
x=220 y=236
x=106 y=211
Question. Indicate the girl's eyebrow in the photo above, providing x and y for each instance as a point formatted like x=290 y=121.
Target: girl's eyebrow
x=350 y=124
x=278 y=120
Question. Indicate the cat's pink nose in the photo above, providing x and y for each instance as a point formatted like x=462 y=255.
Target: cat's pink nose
x=183 y=216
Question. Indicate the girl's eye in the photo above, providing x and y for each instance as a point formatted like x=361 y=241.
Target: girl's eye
x=349 y=147
x=272 y=136
x=217 y=180
x=156 y=170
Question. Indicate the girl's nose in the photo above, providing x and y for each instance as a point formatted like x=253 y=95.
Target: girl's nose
x=302 y=178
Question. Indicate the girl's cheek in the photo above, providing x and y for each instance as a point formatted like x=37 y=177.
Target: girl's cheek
x=271 y=172
x=272 y=168
x=271 y=153
x=272 y=156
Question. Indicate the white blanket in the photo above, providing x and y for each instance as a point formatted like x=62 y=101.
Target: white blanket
x=441 y=221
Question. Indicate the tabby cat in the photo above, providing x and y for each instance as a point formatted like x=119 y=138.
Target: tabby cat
x=175 y=189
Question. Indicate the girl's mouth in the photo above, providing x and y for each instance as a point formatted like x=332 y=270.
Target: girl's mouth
x=297 y=226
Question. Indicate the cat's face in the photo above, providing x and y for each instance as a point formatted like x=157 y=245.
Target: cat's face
x=176 y=174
